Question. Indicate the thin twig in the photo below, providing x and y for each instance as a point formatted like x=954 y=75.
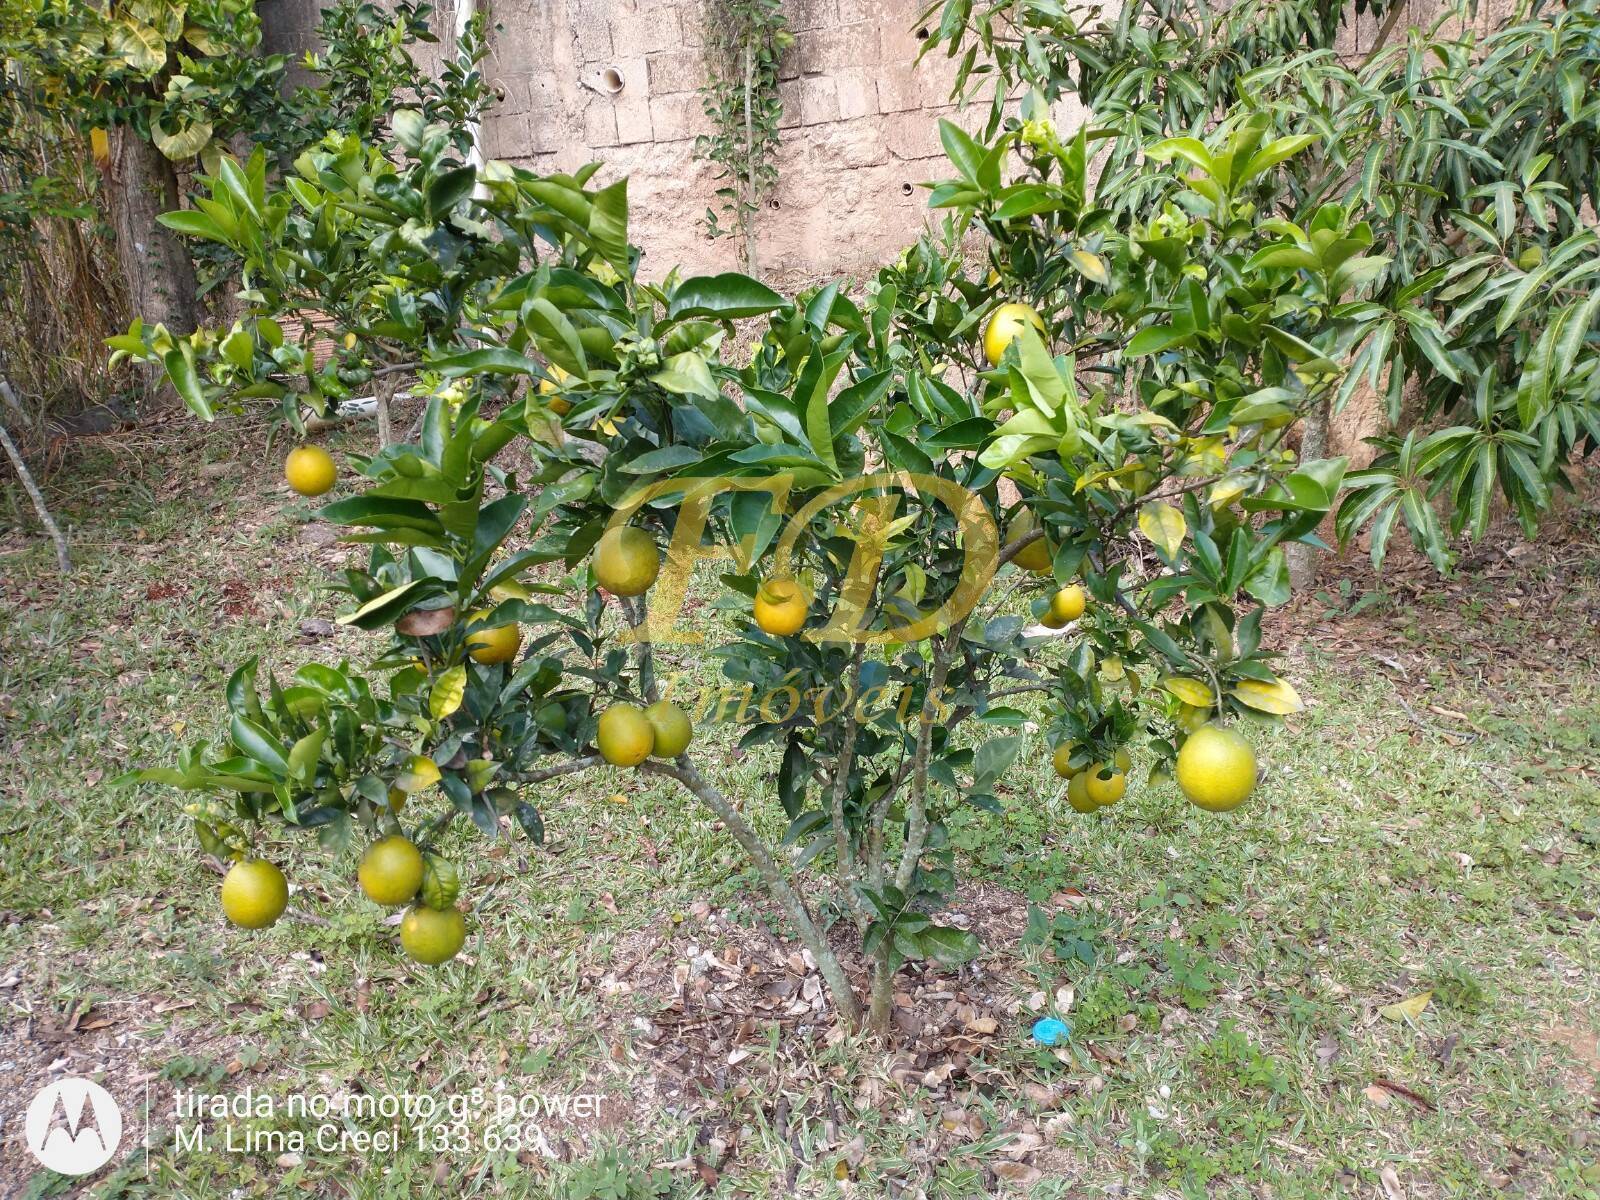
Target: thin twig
x=63 y=558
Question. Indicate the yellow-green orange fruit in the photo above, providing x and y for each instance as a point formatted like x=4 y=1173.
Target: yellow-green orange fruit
x=1068 y=603
x=1104 y=790
x=495 y=644
x=1062 y=759
x=780 y=607
x=626 y=736
x=626 y=561
x=1078 y=793
x=391 y=870
x=432 y=936
x=1038 y=555
x=310 y=470
x=673 y=729
x=254 y=893
x=1004 y=325
x=1216 y=768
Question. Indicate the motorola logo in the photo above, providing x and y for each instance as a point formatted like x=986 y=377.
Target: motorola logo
x=73 y=1126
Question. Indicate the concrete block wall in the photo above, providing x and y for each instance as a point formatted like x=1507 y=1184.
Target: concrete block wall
x=859 y=130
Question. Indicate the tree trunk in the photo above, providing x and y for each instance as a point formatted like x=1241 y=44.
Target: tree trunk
x=141 y=184
x=1313 y=445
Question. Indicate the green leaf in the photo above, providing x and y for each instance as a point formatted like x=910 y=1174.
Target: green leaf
x=179 y=362
x=608 y=224
x=1091 y=266
x=138 y=45
x=724 y=297
x=1153 y=339
x=183 y=143
x=965 y=153
x=668 y=458
x=490 y=360
x=303 y=755
x=687 y=374
x=255 y=742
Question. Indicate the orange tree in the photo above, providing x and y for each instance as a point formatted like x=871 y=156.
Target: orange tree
x=937 y=520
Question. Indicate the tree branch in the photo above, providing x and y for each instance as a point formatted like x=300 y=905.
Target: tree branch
x=63 y=558
x=556 y=772
x=684 y=771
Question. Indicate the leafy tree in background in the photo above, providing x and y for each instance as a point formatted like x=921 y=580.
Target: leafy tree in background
x=162 y=85
x=1472 y=159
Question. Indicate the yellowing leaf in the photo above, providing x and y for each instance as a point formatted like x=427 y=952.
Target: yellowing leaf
x=448 y=692
x=1112 y=669
x=1163 y=525
x=420 y=774
x=137 y=45
x=1406 y=1010
x=1275 y=697
x=1090 y=266
x=1190 y=691
x=1224 y=492
x=182 y=143
x=100 y=147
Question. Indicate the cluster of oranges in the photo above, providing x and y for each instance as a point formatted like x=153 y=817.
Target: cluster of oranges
x=1216 y=771
x=392 y=872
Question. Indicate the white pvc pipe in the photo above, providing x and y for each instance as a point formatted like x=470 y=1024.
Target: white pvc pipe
x=466 y=10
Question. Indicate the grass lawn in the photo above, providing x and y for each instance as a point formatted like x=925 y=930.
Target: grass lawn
x=1429 y=825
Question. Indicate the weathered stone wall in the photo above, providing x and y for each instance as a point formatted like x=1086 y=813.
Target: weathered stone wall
x=859 y=124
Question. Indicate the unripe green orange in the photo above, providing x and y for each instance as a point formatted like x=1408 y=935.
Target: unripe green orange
x=1105 y=790
x=390 y=870
x=626 y=561
x=626 y=736
x=673 y=729
x=432 y=936
x=1062 y=759
x=254 y=893
x=1078 y=793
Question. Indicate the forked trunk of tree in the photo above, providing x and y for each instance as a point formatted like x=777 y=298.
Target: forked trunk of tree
x=141 y=184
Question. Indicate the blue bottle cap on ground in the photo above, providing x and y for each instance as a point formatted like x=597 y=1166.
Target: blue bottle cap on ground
x=1050 y=1032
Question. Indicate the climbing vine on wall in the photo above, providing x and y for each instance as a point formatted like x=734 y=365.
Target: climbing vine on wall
x=744 y=41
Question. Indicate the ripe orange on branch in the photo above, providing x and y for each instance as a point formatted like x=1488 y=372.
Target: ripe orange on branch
x=780 y=607
x=1004 y=325
x=310 y=470
x=496 y=644
x=1216 y=768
